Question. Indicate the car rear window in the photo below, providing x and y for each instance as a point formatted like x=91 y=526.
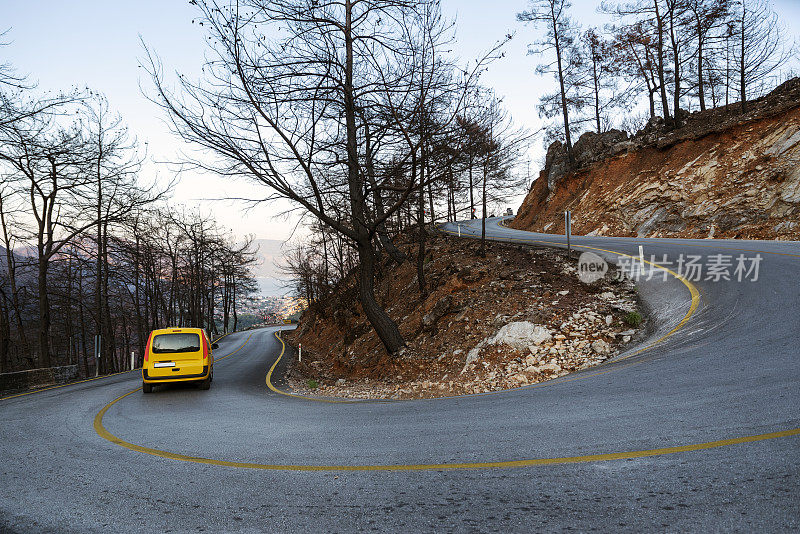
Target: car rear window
x=171 y=343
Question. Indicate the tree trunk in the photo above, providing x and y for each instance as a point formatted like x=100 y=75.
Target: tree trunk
x=383 y=236
x=471 y=190
x=676 y=97
x=596 y=81
x=565 y=113
x=11 y=272
x=5 y=332
x=44 y=314
x=483 y=217
x=700 y=90
x=384 y=326
x=82 y=325
x=418 y=170
x=742 y=91
x=235 y=313
x=98 y=294
x=660 y=57
x=109 y=343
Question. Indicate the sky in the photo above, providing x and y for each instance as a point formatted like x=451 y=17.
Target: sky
x=98 y=43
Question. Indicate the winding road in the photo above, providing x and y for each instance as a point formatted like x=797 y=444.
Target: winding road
x=695 y=429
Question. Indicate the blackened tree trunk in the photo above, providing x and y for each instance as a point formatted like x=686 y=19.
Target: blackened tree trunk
x=562 y=89
x=421 y=237
x=5 y=331
x=44 y=311
x=742 y=38
x=660 y=63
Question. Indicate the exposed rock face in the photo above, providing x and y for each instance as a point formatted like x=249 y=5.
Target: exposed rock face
x=591 y=147
x=722 y=174
x=555 y=164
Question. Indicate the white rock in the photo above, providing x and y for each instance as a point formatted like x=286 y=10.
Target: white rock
x=600 y=347
x=473 y=354
x=565 y=292
x=608 y=295
x=521 y=335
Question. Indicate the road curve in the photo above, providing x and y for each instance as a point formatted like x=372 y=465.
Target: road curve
x=704 y=426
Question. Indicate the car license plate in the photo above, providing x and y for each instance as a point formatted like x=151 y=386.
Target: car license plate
x=164 y=364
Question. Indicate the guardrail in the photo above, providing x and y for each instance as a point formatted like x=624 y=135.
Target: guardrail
x=37 y=377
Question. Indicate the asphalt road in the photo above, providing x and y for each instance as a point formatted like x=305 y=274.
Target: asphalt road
x=240 y=457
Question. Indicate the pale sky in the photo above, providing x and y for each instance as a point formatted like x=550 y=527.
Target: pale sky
x=95 y=43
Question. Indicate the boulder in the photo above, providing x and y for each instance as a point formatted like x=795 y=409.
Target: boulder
x=593 y=146
x=439 y=309
x=522 y=335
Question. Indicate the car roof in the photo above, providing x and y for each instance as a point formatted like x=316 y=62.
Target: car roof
x=177 y=330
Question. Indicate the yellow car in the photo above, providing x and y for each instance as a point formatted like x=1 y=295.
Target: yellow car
x=178 y=355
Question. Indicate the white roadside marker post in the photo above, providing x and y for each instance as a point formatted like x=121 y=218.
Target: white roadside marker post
x=300 y=352
x=641 y=259
x=98 y=340
x=459 y=229
x=568 y=229
x=133 y=361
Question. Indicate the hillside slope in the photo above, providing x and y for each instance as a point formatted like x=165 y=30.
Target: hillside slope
x=722 y=174
x=517 y=316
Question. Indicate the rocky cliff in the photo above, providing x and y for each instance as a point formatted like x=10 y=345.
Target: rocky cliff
x=721 y=173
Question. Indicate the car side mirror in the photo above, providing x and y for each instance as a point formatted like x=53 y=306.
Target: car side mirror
x=214 y=346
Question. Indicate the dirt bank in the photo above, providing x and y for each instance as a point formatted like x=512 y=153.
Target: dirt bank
x=518 y=316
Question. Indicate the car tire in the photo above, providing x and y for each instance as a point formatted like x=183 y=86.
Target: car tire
x=206 y=384
x=147 y=388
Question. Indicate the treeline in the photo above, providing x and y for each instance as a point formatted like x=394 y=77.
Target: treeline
x=666 y=56
x=90 y=255
x=360 y=116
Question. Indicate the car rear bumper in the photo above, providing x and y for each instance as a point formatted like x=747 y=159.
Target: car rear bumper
x=175 y=377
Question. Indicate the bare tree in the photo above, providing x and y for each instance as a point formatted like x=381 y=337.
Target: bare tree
x=49 y=162
x=707 y=17
x=599 y=78
x=649 y=19
x=760 y=45
x=116 y=190
x=281 y=105
x=559 y=37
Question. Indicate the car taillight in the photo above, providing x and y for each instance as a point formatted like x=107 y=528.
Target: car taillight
x=205 y=348
x=147 y=347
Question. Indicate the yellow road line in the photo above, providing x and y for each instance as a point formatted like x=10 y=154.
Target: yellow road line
x=105 y=434
x=272 y=386
x=102 y=432
x=237 y=350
